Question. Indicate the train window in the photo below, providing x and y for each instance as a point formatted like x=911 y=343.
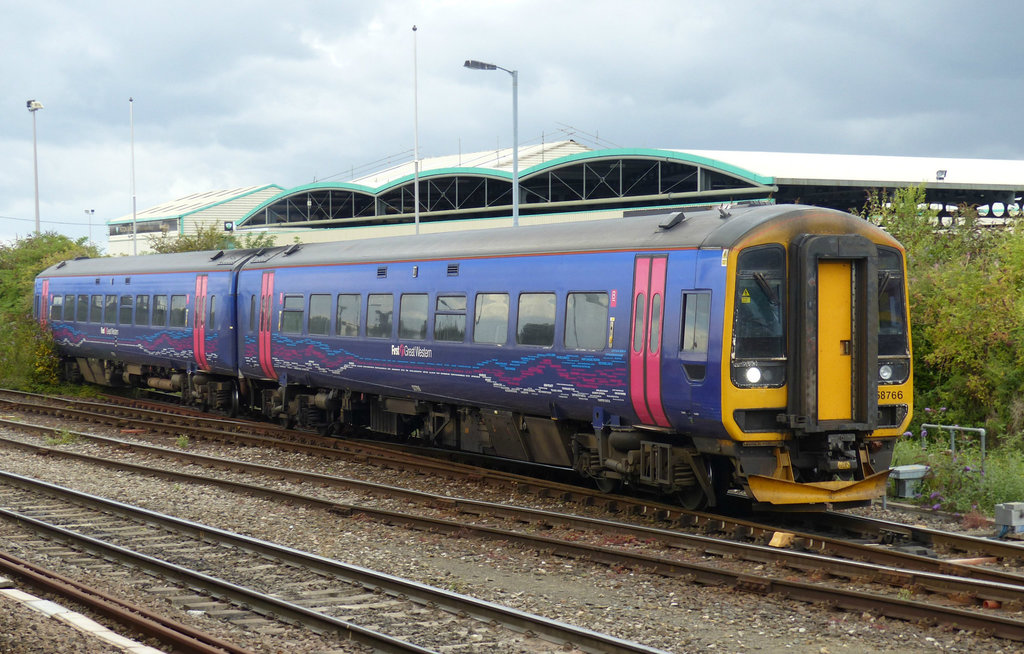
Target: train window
x=142 y=310
x=252 y=313
x=655 y=344
x=159 y=310
x=96 y=308
x=586 y=321
x=759 y=327
x=69 y=307
x=536 y=319
x=639 y=312
x=57 y=307
x=35 y=306
x=82 y=309
x=292 y=314
x=110 y=310
x=179 y=312
x=212 y=323
x=380 y=307
x=412 y=316
x=696 y=323
x=892 y=329
x=347 y=323
x=125 y=315
x=491 y=322
x=319 y=314
x=450 y=318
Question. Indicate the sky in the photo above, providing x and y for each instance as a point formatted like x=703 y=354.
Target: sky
x=230 y=94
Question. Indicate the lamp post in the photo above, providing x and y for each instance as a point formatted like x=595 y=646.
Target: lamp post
x=479 y=65
x=34 y=106
x=90 y=212
x=131 y=128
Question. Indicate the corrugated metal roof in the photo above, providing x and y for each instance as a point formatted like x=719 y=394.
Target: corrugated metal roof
x=195 y=202
x=794 y=167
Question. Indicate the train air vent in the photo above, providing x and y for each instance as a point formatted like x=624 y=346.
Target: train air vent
x=61 y=264
x=220 y=253
x=453 y=270
x=292 y=249
x=382 y=272
x=673 y=220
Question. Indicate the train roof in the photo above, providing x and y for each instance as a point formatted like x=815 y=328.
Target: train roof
x=695 y=227
x=204 y=261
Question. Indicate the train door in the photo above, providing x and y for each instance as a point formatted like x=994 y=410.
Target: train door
x=199 y=326
x=837 y=347
x=835 y=339
x=265 y=323
x=44 y=303
x=648 y=321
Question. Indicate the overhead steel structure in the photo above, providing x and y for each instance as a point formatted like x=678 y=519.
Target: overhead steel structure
x=603 y=180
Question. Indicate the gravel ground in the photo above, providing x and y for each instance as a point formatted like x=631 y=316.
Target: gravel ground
x=670 y=614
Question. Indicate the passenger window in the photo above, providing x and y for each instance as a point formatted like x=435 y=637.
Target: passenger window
x=82 y=309
x=96 y=308
x=491 y=322
x=69 y=307
x=213 y=312
x=536 y=323
x=292 y=313
x=110 y=310
x=586 y=321
x=252 y=313
x=319 y=314
x=125 y=315
x=57 y=307
x=450 y=318
x=159 y=310
x=638 y=322
x=179 y=312
x=412 y=316
x=348 y=315
x=655 y=343
x=142 y=310
x=380 y=307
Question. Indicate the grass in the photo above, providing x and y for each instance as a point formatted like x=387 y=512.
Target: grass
x=958 y=482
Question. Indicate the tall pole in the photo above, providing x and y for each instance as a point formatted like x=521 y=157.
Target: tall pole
x=34 y=106
x=90 y=212
x=480 y=65
x=131 y=123
x=415 y=132
x=515 y=147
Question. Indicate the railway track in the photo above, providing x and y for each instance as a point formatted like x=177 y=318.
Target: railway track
x=947 y=594
x=251 y=581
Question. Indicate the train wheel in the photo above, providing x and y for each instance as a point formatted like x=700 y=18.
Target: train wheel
x=692 y=498
x=235 y=401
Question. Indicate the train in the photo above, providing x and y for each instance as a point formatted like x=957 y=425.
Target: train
x=755 y=349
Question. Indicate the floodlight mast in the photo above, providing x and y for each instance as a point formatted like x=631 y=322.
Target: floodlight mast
x=473 y=64
x=33 y=106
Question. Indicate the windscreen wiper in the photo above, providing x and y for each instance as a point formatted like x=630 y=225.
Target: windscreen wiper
x=766 y=287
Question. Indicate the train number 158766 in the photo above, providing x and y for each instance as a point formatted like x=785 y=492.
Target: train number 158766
x=889 y=395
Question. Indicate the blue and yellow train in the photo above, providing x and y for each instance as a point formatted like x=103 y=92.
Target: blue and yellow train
x=759 y=348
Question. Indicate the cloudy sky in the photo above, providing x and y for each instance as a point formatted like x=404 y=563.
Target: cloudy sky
x=230 y=93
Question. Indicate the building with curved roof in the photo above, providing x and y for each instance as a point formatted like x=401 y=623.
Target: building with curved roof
x=567 y=181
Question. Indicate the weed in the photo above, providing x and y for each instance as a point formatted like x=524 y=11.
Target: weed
x=183 y=442
x=61 y=437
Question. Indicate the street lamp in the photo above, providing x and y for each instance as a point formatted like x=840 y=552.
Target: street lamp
x=34 y=106
x=479 y=65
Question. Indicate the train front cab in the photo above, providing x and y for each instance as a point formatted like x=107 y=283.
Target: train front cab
x=820 y=368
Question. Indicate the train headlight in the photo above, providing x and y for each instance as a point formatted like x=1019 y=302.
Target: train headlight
x=760 y=374
x=753 y=375
x=893 y=371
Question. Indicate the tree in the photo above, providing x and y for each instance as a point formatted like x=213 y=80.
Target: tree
x=210 y=237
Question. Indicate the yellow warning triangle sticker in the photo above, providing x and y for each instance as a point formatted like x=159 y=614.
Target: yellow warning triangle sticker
x=745 y=297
